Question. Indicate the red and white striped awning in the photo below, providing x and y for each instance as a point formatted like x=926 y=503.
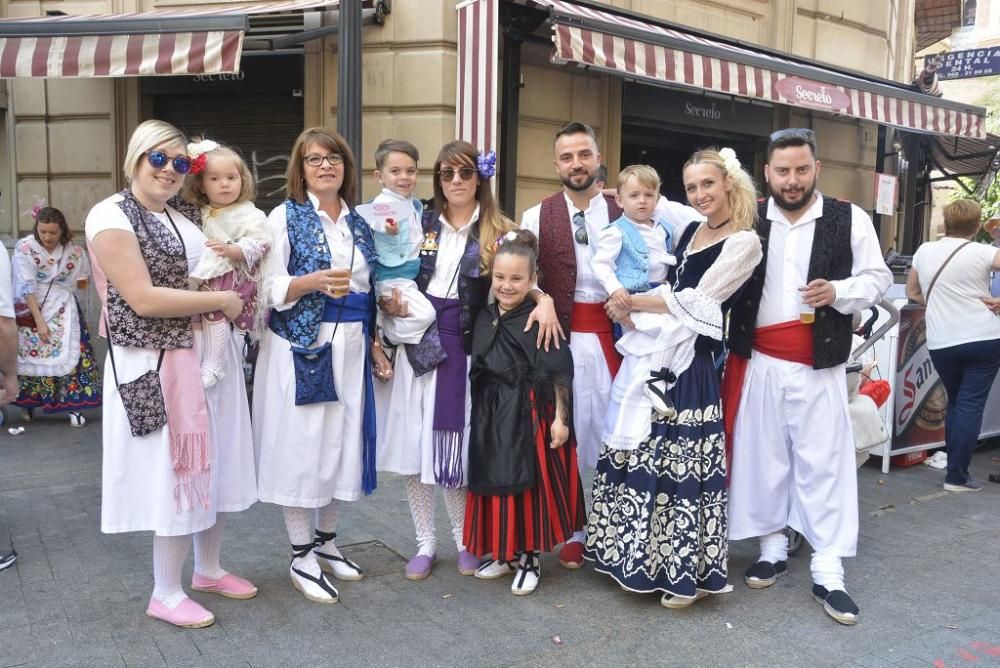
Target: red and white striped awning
x=166 y=42
x=478 y=47
x=633 y=47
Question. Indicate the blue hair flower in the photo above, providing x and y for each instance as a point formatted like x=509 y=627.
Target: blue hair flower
x=487 y=164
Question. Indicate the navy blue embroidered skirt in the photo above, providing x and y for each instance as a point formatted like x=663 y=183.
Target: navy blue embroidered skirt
x=658 y=518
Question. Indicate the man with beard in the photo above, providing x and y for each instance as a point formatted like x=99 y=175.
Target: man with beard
x=567 y=225
x=792 y=461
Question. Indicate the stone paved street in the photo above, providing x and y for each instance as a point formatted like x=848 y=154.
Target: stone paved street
x=927 y=581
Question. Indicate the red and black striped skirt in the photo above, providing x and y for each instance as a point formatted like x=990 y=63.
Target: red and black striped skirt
x=535 y=520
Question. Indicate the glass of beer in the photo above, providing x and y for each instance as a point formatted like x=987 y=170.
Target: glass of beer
x=81 y=284
x=342 y=281
x=807 y=314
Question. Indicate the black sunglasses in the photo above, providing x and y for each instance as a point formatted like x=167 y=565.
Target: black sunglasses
x=447 y=174
x=159 y=160
x=803 y=134
x=580 y=234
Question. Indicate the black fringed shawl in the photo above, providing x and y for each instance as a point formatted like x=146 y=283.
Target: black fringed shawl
x=511 y=379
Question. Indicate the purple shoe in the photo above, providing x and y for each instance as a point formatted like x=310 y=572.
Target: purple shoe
x=419 y=567
x=467 y=563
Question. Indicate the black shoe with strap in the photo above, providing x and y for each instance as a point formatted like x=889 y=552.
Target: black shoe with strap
x=764 y=573
x=329 y=592
x=341 y=567
x=837 y=603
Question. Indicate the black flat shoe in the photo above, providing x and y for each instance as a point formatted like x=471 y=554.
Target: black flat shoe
x=837 y=603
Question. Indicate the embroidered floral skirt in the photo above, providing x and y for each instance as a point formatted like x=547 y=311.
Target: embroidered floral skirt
x=658 y=518
x=535 y=520
x=78 y=389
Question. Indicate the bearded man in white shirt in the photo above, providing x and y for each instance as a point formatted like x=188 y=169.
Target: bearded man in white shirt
x=785 y=393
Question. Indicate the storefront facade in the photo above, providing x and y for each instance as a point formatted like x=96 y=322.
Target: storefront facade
x=63 y=139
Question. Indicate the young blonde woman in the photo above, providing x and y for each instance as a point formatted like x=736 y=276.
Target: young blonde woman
x=658 y=520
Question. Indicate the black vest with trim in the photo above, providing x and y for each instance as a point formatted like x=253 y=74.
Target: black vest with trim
x=831 y=258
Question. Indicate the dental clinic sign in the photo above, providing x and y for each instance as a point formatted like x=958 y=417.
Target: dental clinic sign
x=800 y=92
x=967 y=64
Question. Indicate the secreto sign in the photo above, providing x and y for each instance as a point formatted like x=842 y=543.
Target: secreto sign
x=805 y=93
x=968 y=64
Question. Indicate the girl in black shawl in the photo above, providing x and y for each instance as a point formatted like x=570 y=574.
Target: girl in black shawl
x=524 y=487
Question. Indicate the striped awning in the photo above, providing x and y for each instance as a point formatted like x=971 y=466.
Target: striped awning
x=174 y=42
x=478 y=46
x=633 y=47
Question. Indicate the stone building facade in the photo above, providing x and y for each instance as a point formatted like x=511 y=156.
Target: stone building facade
x=63 y=139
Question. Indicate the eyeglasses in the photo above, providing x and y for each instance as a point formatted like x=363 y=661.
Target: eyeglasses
x=803 y=134
x=447 y=174
x=580 y=235
x=317 y=160
x=159 y=160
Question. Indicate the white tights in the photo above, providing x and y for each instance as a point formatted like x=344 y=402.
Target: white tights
x=300 y=523
x=421 y=497
x=170 y=553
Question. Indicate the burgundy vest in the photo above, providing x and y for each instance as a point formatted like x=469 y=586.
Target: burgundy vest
x=556 y=255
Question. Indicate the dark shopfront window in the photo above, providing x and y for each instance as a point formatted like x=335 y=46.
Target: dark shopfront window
x=258 y=111
x=662 y=128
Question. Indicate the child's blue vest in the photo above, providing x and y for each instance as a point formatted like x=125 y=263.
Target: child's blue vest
x=632 y=265
x=392 y=250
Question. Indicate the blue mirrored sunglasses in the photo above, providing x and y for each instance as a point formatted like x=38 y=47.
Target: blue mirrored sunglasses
x=159 y=160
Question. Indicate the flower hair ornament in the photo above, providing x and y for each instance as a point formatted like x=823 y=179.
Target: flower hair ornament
x=197 y=152
x=487 y=164
x=39 y=204
x=504 y=238
x=729 y=160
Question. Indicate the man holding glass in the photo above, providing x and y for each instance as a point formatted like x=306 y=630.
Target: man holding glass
x=785 y=393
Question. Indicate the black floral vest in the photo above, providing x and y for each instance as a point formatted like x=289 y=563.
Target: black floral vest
x=832 y=259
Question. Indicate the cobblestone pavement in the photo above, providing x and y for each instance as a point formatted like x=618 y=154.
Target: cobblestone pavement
x=927 y=582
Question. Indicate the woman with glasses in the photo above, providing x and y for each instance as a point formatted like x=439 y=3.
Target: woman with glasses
x=176 y=456
x=314 y=411
x=426 y=424
x=55 y=361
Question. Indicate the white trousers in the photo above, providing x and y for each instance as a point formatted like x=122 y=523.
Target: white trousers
x=793 y=457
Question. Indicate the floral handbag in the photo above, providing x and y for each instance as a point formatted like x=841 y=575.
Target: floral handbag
x=142 y=397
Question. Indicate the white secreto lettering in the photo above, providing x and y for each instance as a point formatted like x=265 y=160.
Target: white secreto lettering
x=691 y=109
x=813 y=96
x=236 y=76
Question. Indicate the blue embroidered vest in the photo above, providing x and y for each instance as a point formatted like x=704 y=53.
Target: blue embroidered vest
x=309 y=252
x=632 y=265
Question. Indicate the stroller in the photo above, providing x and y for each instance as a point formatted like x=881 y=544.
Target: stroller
x=869 y=429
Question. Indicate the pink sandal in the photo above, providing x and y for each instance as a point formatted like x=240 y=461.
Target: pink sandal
x=188 y=614
x=229 y=585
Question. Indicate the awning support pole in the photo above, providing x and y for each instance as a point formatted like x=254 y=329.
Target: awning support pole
x=349 y=80
x=511 y=87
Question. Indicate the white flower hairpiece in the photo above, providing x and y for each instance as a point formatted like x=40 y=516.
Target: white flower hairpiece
x=195 y=149
x=729 y=159
x=511 y=236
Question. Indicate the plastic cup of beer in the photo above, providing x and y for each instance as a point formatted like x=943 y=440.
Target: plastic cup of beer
x=807 y=314
x=81 y=283
x=342 y=281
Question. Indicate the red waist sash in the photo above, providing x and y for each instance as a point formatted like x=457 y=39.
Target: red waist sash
x=791 y=341
x=592 y=319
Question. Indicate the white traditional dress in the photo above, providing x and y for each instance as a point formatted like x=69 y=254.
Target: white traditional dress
x=405 y=405
x=310 y=455
x=61 y=374
x=138 y=479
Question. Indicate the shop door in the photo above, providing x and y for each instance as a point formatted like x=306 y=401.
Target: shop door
x=663 y=127
x=667 y=151
x=258 y=112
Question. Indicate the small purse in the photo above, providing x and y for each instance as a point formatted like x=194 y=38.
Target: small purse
x=142 y=397
x=314 y=374
x=22 y=313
